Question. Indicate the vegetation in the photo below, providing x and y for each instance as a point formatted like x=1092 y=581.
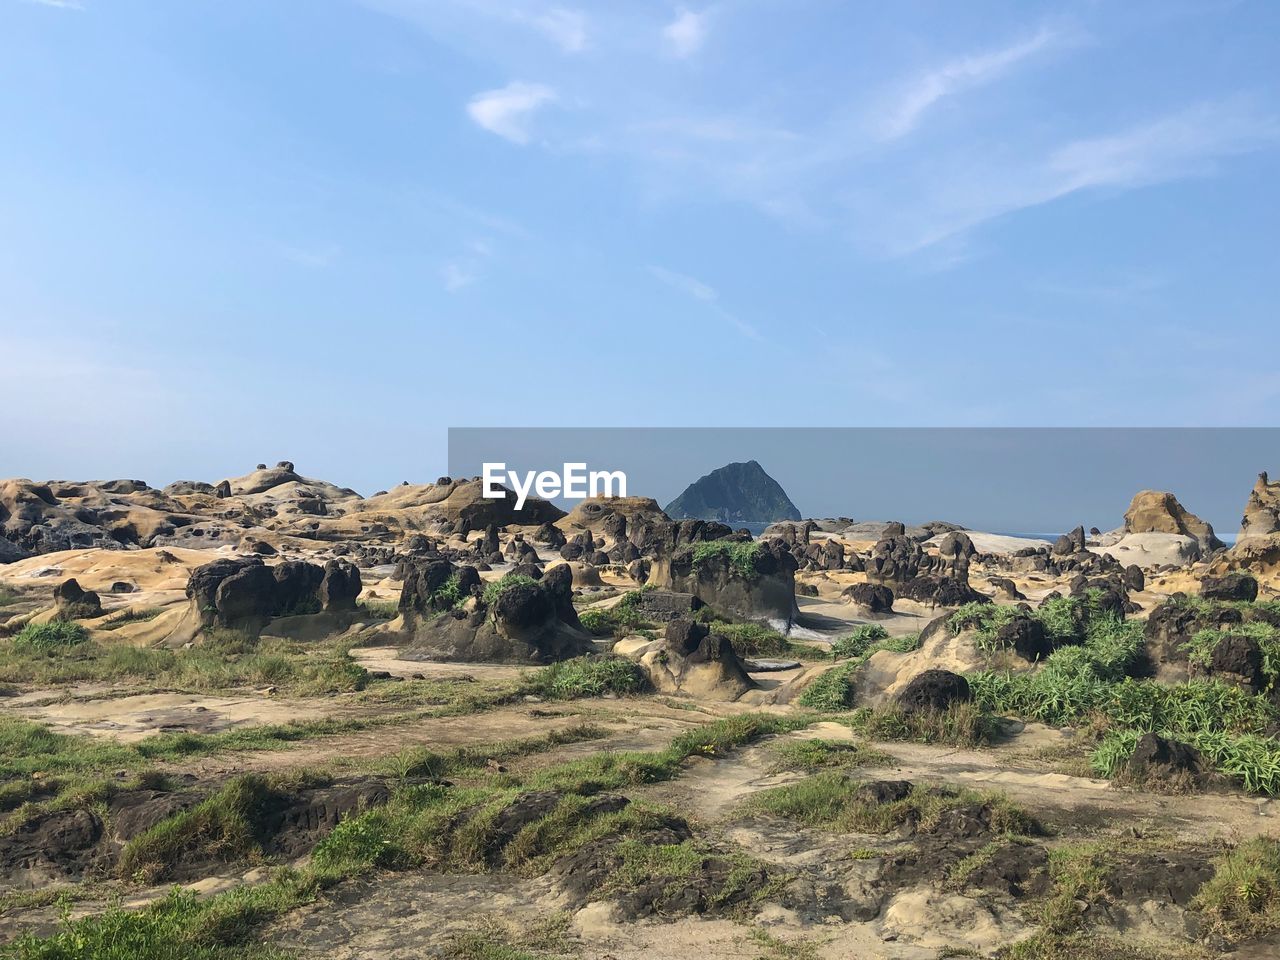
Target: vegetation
x=60 y=652
x=1201 y=646
x=496 y=589
x=832 y=691
x=49 y=637
x=812 y=755
x=589 y=676
x=130 y=615
x=961 y=724
x=623 y=615
x=450 y=824
x=740 y=555
x=1243 y=897
x=8 y=595
x=833 y=800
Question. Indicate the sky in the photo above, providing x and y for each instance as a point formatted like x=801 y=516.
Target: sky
x=326 y=231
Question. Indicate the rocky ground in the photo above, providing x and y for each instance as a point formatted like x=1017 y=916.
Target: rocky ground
x=268 y=717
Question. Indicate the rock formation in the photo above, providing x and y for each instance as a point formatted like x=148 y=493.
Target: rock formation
x=1262 y=511
x=1155 y=511
x=735 y=493
x=691 y=660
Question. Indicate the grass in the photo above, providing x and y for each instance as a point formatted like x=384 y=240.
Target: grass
x=740 y=556
x=812 y=755
x=130 y=615
x=8 y=596
x=960 y=725
x=589 y=676
x=1243 y=897
x=834 y=801
x=496 y=589
x=833 y=691
x=449 y=824
x=1201 y=646
x=227 y=660
x=755 y=640
x=223 y=827
x=49 y=637
x=623 y=615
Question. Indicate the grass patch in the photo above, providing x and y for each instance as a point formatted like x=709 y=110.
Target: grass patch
x=437 y=823
x=1243 y=898
x=496 y=589
x=813 y=755
x=50 y=637
x=961 y=724
x=834 y=801
x=589 y=676
x=740 y=556
x=131 y=615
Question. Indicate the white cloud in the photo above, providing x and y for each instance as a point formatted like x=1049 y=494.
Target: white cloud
x=937 y=206
x=902 y=115
x=60 y=4
x=703 y=293
x=566 y=28
x=694 y=288
x=685 y=34
x=507 y=111
x=457 y=275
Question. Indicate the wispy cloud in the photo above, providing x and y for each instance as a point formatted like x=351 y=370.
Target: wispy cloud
x=463 y=271
x=685 y=35
x=507 y=111
x=457 y=275
x=1189 y=143
x=566 y=28
x=59 y=4
x=703 y=293
x=904 y=111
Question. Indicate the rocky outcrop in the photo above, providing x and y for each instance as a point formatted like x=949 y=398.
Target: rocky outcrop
x=1233 y=586
x=1262 y=510
x=743 y=579
x=594 y=513
x=936 y=591
x=450 y=615
x=75 y=603
x=243 y=593
x=1156 y=511
x=869 y=598
x=934 y=690
x=691 y=660
x=735 y=493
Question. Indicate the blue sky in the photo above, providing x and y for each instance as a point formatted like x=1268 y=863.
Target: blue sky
x=327 y=230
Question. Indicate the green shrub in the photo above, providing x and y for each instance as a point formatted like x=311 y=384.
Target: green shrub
x=47 y=637
x=859 y=642
x=832 y=691
x=741 y=555
x=589 y=676
x=1243 y=897
x=496 y=589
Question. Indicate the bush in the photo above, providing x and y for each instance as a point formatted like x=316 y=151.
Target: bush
x=859 y=642
x=741 y=555
x=589 y=676
x=496 y=589
x=47 y=637
x=1243 y=897
x=832 y=691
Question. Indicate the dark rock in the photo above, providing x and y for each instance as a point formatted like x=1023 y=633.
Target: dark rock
x=1234 y=586
x=934 y=690
x=1156 y=758
x=75 y=603
x=874 y=598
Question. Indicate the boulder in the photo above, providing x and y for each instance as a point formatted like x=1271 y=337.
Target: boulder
x=691 y=660
x=935 y=591
x=870 y=598
x=756 y=582
x=934 y=690
x=1158 y=758
x=1156 y=511
x=75 y=603
x=1262 y=510
x=1234 y=586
